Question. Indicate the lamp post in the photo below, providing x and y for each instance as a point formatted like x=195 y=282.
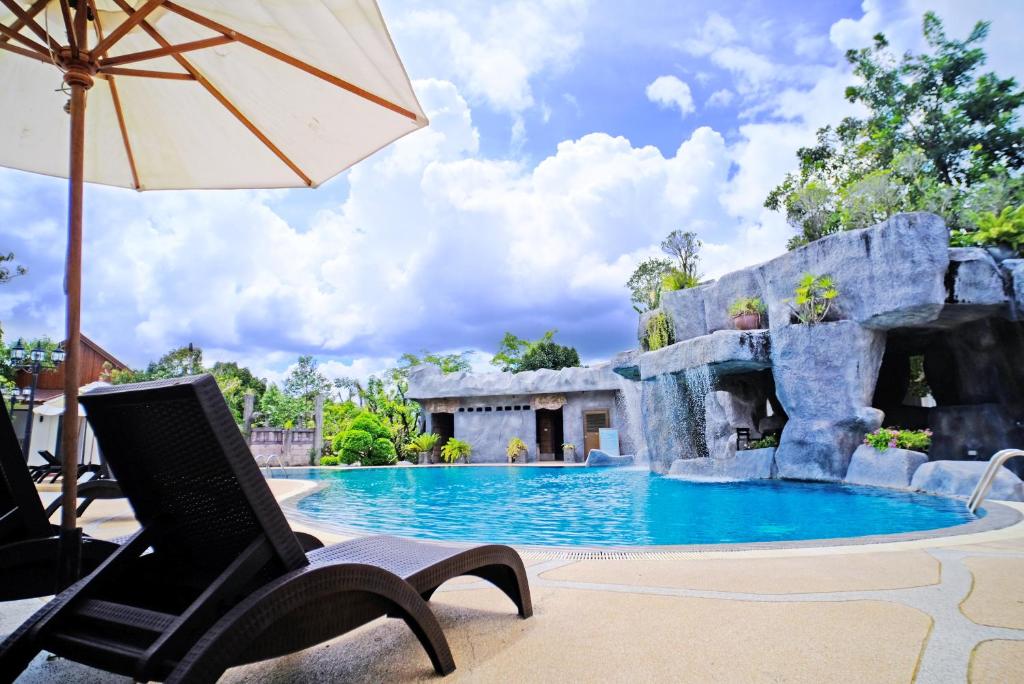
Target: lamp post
x=33 y=361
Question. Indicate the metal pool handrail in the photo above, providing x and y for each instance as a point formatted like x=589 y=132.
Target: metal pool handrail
x=985 y=483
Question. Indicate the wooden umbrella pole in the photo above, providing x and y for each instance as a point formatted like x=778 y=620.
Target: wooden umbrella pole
x=79 y=79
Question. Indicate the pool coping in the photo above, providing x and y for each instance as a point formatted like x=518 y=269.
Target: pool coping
x=999 y=516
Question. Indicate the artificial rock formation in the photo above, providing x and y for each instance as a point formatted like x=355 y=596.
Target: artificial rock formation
x=903 y=293
x=892 y=468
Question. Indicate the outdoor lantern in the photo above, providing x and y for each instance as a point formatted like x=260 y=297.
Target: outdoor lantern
x=18 y=352
x=38 y=354
x=58 y=355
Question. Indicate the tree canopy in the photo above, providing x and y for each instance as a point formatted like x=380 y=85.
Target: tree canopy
x=516 y=354
x=938 y=136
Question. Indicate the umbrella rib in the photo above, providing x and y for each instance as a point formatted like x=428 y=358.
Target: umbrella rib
x=69 y=25
x=25 y=53
x=164 y=52
x=31 y=12
x=288 y=59
x=31 y=24
x=11 y=34
x=134 y=18
x=219 y=96
x=117 y=104
x=147 y=73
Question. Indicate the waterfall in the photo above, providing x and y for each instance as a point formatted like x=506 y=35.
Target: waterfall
x=694 y=385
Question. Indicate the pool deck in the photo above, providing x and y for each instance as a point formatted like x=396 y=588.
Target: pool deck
x=947 y=609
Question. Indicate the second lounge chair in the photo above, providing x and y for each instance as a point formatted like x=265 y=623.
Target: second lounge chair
x=216 y=578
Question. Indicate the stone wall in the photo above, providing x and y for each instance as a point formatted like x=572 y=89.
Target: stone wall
x=287 y=447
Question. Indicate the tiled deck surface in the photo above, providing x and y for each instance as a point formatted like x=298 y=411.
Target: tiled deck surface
x=944 y=610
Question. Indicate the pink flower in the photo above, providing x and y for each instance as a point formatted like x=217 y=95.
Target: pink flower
x=892 y=443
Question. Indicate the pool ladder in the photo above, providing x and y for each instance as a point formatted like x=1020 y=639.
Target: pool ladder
x=267 y=463
x=985 y=483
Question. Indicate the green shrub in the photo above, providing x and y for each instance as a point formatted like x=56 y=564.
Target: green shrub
x=1004 y=228
x=353 y=445
x=895 y=438
x=768 y=442
x=516 y=449
x=454 y=449
x=747 y=305
x=659 y=332
x=368 y=422
x=421 y=444
x=813 y=297
x=677 y=279
x=382 y=452
x=330 y=461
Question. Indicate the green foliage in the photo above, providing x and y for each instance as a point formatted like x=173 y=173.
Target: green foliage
x=383 y=452
x=516 y=354
x=678 y=280
x=305 y=381
x=646 y=282
x=768 y=442
x=896 y=438
x=1004 y=228
x=330 y=461
x=813 y=298
x=422 y=443
x=448 y=363
x=338 y=417
x=277 y=409
x=177 y=363
x=659 y=332
x=353 y=445
x=8 y=271
x=516 y=449
x=937 y=136
x=371 y=424
x=454 y=449
x=235 y=382
x=747 y=305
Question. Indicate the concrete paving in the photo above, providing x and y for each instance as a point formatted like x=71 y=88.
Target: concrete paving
x=942 y=610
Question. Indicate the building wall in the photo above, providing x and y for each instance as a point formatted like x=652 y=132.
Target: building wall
x=489 y=431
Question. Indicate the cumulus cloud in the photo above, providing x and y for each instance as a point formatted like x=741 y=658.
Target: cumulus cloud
x=669 y=92
x=720 y=98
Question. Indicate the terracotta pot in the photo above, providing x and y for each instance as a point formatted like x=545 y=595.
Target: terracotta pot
x=747 y=321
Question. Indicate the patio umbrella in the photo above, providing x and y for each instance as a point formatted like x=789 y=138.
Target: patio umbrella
x=190 y=94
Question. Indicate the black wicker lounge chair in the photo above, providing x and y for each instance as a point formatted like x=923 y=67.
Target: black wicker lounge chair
x=29 y=545
x=53 y=467
x=224 y=580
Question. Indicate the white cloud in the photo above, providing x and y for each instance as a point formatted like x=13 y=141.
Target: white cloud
x=668 y=92
x=492 y=51
x=720 y=98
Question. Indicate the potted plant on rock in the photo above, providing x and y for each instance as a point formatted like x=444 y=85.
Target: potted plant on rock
x=746 y=313
x=569 y=452
x=516 y=450
x=813 y=299
x=422 y=446
x=456 y=451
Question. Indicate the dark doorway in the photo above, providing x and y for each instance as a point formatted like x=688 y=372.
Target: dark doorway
x=593 y=421
x=549 y=434
x=442 y=425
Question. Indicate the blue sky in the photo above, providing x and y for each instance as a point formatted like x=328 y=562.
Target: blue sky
x=567 y=138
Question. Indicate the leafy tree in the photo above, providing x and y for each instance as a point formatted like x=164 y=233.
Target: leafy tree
x=938 y=136
x=367 y=440
x=549 y=355
x=338 y=417
x=8 y=270
x=448 y=363
x=176 y=363
x=645 y=283
x=685 y=247
x=277 y=409
x=305 y=380
x=516 y=354
x=235 y=382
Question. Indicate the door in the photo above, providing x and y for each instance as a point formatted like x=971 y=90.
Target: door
x=549 y=434
x=593 y=421
x=442 y=425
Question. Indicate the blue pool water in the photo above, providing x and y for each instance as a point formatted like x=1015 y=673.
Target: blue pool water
x=607 y=507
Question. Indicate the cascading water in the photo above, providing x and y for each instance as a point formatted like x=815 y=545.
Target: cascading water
x=673 y=415
x=694 y=385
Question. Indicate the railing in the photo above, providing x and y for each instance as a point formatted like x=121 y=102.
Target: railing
x=985 y=483
x=267 y=462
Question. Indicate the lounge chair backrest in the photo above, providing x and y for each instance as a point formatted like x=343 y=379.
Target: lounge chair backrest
x=18 y=496
x=184 y=466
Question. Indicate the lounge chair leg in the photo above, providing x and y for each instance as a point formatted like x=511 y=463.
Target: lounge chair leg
x=512 y=581
x=428 y=631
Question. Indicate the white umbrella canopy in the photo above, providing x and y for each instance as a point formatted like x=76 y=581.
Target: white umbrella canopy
x=189 y=94
x=266 y=94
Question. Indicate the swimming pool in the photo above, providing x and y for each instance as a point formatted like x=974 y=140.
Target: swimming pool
x=595 y=507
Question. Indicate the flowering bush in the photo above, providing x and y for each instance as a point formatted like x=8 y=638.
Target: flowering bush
x=894 y=438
